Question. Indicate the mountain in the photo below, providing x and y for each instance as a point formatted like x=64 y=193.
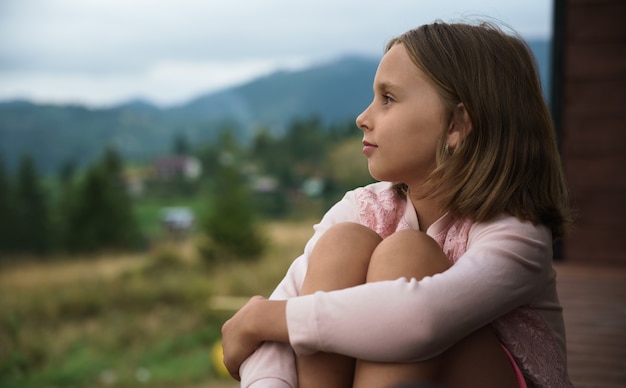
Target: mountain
x=52 y=134
x=55 y=134
x=333 y=91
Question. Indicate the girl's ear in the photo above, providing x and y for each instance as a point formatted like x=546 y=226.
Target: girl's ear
x=460 y=126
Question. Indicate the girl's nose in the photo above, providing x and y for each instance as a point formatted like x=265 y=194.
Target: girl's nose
x=361 y=120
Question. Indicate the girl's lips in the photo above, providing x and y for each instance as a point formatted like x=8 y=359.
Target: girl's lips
x=368 y=148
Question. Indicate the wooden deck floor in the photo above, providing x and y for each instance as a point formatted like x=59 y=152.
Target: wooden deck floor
x=594 y=308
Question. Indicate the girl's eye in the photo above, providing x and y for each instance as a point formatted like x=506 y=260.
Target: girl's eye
x=388 y=99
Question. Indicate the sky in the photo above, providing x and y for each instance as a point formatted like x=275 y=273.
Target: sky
x=101 y=53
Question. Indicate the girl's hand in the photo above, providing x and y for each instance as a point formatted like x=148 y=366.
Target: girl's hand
x=239 y=337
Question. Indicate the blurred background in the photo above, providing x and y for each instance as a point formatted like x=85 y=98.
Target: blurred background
x=162 y=161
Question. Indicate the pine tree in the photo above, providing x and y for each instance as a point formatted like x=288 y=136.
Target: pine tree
x=181 y=145
x=32 y=222
x=123 y=226
x=231 y=224
x=7 y=212
x=102 y=215
x=64 y=205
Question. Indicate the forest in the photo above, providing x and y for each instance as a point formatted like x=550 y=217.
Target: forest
x=90 y=209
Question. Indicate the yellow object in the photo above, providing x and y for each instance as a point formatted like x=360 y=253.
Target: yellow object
x=217 y=359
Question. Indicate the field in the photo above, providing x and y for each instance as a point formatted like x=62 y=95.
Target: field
x=127 y=320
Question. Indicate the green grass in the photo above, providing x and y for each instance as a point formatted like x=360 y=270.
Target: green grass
x=75 y=337
x=113 y=321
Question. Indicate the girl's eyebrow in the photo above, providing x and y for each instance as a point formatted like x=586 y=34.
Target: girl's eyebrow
x=385 y=87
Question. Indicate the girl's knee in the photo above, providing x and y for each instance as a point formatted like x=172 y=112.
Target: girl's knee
x=340 y=257
x=407 y=253
x=352 y=232
x=346 y=240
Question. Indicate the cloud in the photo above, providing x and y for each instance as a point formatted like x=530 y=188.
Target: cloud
x=164 y=83
x=140 y=46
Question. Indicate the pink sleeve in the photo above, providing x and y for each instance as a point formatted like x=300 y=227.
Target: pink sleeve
x=507 y=264
x=273 y=364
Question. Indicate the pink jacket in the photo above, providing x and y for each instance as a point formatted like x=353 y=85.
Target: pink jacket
x=502 y=274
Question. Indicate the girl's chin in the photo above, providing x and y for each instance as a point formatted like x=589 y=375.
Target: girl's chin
x=378 y=175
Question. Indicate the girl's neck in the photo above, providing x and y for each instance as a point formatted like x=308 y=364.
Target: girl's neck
x=427 y=211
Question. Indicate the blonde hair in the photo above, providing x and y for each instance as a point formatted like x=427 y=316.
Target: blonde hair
x=509 y=162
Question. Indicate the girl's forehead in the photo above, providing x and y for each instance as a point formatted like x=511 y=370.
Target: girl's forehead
x=396 y=69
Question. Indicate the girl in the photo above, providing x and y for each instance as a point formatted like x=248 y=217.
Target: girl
x=442 y=271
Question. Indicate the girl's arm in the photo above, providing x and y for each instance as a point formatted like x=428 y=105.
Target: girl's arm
x=273 y=363
x=508 y=264
x=259 y=320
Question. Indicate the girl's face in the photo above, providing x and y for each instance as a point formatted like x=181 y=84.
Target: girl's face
x=403 y=124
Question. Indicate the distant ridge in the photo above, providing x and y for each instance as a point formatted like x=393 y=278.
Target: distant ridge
x=335 y=92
